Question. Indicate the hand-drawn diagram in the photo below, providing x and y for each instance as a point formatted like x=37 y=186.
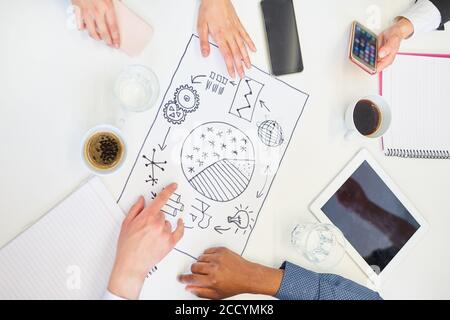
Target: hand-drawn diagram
x=246 y=98
x=201 y=207
x=154 y=165
x=173 y=205
x=264 y=105
x=186 y=100
x=174 y=113
x=241 y=219
x=260 y=193
x=196 y=79
x=164 y=145
x=220 y=229
x=224 y=168
x=152 y=271
x=205 y=221
x=270 y=133
x=222 y=141
x=216 y=83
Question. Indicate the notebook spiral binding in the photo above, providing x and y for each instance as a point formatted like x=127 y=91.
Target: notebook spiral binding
x=418 y=154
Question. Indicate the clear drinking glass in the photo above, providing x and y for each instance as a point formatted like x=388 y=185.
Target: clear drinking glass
x=321 y=244
x=137 y=88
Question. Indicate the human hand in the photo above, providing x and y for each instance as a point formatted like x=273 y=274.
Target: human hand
x=220 y=273
x=219 y=18
x=390 y=41
x=145 y=239
x=99 y=18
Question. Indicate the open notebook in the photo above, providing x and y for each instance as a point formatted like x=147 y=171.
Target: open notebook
x=67 y=254
x=417 y=87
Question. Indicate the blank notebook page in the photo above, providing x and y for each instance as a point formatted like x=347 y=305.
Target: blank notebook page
x=418 y=91
x=67 y=254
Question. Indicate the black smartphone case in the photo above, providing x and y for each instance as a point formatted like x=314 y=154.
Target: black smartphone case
x=282 y=36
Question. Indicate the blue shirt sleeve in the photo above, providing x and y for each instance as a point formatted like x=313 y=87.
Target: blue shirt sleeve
x=302 y=284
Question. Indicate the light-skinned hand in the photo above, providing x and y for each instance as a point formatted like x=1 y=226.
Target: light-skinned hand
x=220 y=273
x=390 y=41
x=145 y=239
x=219 y=18
x=98 y=17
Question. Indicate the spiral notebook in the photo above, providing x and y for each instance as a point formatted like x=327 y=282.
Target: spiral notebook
x=417 y=87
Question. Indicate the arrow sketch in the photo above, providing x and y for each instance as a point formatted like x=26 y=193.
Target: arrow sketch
x=263 y=105
x=259 y=194
x=164 y=145
x=194 y=79
x=221 y=230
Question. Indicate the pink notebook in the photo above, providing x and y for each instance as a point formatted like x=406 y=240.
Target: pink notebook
x=416 y=87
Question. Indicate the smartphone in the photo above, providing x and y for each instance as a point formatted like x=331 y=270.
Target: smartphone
x=364 y=48
x=282 y=36
x=135 y=32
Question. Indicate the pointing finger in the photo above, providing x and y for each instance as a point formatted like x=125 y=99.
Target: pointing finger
x=161 y=199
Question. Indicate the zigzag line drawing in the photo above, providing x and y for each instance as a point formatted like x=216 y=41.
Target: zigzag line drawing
x=246 y=98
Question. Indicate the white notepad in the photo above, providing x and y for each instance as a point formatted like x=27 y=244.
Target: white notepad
x=417 y=87
x=67 y=254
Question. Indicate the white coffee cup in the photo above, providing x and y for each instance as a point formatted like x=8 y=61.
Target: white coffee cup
x=104 y=128
x=384 y=120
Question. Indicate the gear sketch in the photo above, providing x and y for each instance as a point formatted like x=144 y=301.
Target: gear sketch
x=187 y=98
x=186 y=101
x=174 y=113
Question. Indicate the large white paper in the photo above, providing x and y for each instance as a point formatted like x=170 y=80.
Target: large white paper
x=222 y=141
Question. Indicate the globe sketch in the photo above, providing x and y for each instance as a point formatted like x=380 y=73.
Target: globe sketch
x=270 y=133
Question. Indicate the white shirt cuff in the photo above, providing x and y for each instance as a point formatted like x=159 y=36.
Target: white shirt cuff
x=424 y=16
x=110 y=296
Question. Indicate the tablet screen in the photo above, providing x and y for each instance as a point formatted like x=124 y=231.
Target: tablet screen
x=371 y=217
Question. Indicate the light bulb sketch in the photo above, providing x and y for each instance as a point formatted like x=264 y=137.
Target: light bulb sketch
x=241 y=219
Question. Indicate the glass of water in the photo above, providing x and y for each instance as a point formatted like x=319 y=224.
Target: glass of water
x=137 y=88
x=321 y=244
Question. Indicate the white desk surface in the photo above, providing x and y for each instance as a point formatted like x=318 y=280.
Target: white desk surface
x=56 y=83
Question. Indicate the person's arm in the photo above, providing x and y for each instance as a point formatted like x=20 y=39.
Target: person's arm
x=145 y=239
x=444 y=8
x=301 y=284
x=220 y=273
x=98 y=17
x=219 y=18
x=423 y=17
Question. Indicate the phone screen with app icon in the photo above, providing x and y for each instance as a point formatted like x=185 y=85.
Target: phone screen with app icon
x=365 y=46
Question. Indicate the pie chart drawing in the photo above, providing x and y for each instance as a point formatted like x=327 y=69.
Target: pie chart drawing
x=218 y=161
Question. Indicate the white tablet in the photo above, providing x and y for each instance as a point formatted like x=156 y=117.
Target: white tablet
x=379 y=223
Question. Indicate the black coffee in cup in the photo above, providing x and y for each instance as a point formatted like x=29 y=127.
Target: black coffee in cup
x=104 y=150
x=367 y=117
